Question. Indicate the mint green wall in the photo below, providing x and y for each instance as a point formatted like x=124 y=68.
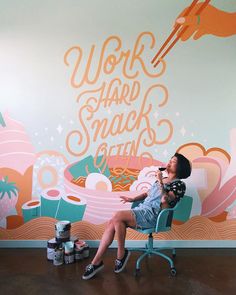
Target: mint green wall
x=35 y=35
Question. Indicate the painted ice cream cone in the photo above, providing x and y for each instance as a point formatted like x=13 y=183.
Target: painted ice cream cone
x=16 y=158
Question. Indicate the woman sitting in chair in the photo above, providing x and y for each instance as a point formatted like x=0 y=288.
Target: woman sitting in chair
x=164 y=193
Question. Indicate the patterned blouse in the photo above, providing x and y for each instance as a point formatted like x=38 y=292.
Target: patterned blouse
x=176 y=186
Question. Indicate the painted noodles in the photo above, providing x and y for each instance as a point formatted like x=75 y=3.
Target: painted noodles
x=121 y=180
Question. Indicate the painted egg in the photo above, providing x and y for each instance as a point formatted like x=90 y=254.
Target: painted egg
x=97 y=181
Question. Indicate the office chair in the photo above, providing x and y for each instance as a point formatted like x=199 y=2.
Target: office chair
x=164 y=222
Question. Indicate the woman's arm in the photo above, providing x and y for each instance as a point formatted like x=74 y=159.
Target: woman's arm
x=140 y=197
x=167 y=198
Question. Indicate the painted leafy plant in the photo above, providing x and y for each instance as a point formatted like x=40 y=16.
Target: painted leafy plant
x=8 y=188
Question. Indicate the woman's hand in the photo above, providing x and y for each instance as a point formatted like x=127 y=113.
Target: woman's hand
x=211 y=21
x=125 y=199
x=159 y=176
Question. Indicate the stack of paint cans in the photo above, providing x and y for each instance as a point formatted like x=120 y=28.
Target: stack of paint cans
x=64 y=248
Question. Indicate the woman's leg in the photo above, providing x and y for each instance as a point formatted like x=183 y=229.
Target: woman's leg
x=121 y=220
x=106 y=240
x=117 y=224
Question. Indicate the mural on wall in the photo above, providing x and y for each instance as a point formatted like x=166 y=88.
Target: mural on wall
x=113 y=103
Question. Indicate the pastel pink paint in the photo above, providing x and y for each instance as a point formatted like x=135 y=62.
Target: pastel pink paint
x=16 y=149
x=53 y=193
x=220 y=197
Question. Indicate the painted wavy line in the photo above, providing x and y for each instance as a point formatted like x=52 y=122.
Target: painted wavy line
x=37 y=229
x=197 y=228
x=87 y=231
x=201 y=228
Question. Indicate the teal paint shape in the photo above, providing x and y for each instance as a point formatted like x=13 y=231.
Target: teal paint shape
x=2 y=122
x=70 y=211
x=107 y=170
x=49 y=207
x=30 y=213
x=79 y=168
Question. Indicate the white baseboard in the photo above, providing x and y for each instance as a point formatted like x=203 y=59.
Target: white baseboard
x=129 y=243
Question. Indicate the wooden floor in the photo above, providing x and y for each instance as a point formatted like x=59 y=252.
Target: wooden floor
x=199 y=271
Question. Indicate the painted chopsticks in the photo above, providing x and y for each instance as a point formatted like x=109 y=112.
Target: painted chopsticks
x=156 y=59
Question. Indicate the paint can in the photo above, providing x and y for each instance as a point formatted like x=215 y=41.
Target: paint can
x=69 y=258
x=79 y=254
x=69 y=252
x=51 y=246
x=74 y=239
x=79 y=244
x=86 y=251
x=62 y=231
x=58 y=256
x=79 y=250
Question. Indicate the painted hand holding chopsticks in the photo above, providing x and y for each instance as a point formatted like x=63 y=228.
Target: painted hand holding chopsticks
x=199 y=19
x=211 y=21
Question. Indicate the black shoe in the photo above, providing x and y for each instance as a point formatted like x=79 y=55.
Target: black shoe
x=91 y=270
x=121 y=263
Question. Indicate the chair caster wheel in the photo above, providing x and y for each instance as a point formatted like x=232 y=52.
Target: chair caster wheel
x=173 y=271
x=137 y=272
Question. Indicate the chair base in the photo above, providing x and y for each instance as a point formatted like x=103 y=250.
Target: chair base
x=149 y=250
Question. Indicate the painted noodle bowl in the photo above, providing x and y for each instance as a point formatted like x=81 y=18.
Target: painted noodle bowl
x=102 y=190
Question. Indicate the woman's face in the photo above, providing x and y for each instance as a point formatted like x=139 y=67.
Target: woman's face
x=172 y=165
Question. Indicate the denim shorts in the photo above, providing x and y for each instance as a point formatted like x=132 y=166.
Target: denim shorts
x=145 y=217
